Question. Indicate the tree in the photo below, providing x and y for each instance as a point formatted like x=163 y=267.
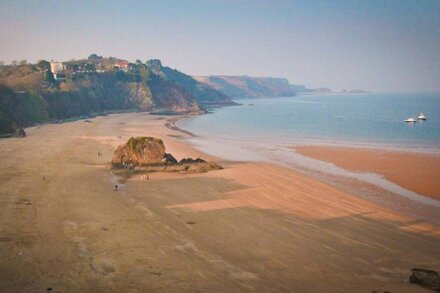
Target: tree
x=48 y=76
x=14 y=63
x=43 y=65
x=23 y=62
x=90 y=66
x=144 y=72
x=138 y=62
x=94 y=57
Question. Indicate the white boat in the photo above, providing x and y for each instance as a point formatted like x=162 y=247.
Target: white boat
x=410 y=120
x=421 y=117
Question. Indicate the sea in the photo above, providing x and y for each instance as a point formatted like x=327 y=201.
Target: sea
x=265 y=129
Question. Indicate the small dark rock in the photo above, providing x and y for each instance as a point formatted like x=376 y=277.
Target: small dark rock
x=169 y=158
x=425 y=278
x=191 y=161
x=20 y=133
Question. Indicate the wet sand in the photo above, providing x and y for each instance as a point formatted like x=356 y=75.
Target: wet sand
x=417 y=172
x=249 y=227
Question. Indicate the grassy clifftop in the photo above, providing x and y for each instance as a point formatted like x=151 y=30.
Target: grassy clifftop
x=30 y=94
x=27 y=99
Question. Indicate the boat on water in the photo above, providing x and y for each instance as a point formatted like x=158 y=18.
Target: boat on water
x=410 y=120
x=421 y=116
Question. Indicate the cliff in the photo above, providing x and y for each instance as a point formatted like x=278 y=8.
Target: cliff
x=205 y=94
x=30 y=94
x=249 y=87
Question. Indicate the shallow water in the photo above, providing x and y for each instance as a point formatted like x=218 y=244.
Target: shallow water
x=373 y=119
x=265 y=130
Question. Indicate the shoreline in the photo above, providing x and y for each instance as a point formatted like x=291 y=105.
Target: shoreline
x=171 y=124
x=251 y=226
x=366 y=184
x=411 y=170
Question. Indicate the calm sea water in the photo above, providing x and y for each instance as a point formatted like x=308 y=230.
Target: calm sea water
x=265 y=129
x=371 y=119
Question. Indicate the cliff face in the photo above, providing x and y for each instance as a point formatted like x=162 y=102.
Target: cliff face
x=27 y=98
x=19 y=108
x=139 y=94
x=249 y=87
x=204 y=94
x=169 y=97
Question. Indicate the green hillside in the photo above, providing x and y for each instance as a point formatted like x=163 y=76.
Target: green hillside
x=30 y=93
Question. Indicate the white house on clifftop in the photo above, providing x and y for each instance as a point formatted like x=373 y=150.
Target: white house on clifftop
x=57 y=69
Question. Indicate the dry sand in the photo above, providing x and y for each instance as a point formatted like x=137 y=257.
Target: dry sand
x=414 y=171
x=249 y=227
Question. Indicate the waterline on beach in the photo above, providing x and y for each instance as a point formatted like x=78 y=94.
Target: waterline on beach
x=283 y=155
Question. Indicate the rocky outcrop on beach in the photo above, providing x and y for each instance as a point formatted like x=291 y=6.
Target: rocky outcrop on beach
x=139 y=151
x=191 y=161
x=425 y=278
x=148 y=154
x=17 y=133
x=20 y=133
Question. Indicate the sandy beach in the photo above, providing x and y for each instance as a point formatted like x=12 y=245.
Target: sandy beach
x=417 y=172
x=249 y=227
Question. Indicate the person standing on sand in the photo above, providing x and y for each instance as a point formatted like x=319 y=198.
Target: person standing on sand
x=116 y=187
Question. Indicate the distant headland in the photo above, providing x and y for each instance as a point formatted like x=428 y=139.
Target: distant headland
x=57 y=91
x=250 y=87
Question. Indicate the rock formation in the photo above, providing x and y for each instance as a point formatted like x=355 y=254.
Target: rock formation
x=148 y=154
x=191 y=161
x=20 y=133
x=425 y=278
x=170 y=159
x=139 y=151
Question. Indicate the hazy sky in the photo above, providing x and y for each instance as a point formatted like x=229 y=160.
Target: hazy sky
x=377 y=45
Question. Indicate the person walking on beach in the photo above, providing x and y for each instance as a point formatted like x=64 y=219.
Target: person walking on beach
x=116 y=187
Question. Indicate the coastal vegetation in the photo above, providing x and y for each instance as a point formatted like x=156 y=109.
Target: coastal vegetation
x=56 y=91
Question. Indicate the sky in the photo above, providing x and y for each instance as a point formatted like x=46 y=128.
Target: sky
x=378 y=45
